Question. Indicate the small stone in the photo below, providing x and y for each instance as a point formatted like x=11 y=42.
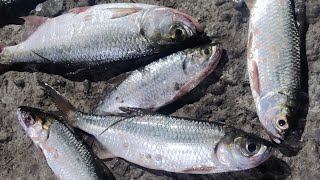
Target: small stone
x=216 y=89
x=20 y=83
x=220 y=2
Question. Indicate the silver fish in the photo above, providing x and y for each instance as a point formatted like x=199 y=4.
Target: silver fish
x=67 y=156
x=273 y=63
x=169 y=143
x=100 y=35
x=163 y=81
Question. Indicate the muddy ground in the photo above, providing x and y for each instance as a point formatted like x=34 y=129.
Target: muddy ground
x=223 y=96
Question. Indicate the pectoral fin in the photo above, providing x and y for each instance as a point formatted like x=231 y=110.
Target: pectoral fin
x=102 y=152
x=118 y=79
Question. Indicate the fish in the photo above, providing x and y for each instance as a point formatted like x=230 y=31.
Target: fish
x=66 y=154
x=163 y=81
x=99 y=36
x=168 y=143
x=273 y=61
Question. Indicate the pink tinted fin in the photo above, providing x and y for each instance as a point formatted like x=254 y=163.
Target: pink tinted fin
x=35 y=21
x=31 y=25
x=78 y=10
x=250 y=3
x=102 y=153
x=255 y=77
x=122 y=12
x=2 y=46
x=3 y=67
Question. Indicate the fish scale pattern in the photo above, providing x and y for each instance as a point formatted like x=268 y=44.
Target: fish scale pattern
x=69 y=156
x=276 y=47
x=161 y=82
x=156 y=141
x=75 y=39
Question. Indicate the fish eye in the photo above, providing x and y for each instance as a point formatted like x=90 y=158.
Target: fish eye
x=250 y=148
x=282 y=124
x=207 y=51
x=177 y=33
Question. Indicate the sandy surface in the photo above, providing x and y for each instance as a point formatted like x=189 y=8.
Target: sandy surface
x=223 y=96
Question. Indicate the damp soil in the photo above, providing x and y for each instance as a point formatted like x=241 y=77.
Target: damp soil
x=223 y=96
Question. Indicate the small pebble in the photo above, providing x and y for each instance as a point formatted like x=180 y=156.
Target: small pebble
x=20 y=83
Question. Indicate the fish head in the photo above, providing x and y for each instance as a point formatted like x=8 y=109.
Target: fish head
x=35 y=122
x=274 y=112
x=202 y=60
x=169 y=26
x=239 y=150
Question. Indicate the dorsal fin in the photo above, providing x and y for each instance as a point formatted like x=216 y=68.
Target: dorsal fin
x=32 y=23
x=250 y=3
x=35 y=21
x=78 y=10
x=122 y=12
x=62 y=104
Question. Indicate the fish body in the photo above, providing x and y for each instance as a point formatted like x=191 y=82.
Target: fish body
x=273 y=60
x=169 y=143
x=162 y=81
x=67 y=156
x=99 y=35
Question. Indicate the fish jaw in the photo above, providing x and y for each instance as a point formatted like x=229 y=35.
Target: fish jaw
x=208 y=68
x=159 y=25
x=273 y=115
x=234 y=154
x=33 y=125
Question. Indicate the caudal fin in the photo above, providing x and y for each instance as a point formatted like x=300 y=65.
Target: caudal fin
x=2 y=47
x=3 y=67
x=62 y=104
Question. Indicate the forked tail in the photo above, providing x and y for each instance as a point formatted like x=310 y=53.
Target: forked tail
x=3 y=67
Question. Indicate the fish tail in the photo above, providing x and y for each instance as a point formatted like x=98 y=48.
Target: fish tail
x=3 y=67
x=62 y=104
x=2 y=46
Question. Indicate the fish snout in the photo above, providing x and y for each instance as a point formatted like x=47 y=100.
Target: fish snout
x=274 y=133
x=24 y=117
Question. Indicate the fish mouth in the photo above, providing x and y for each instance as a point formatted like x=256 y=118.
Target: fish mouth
x=23 y=117
x=276 y=137
x=27 y=116
x=275 y=134
x=217 y=50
